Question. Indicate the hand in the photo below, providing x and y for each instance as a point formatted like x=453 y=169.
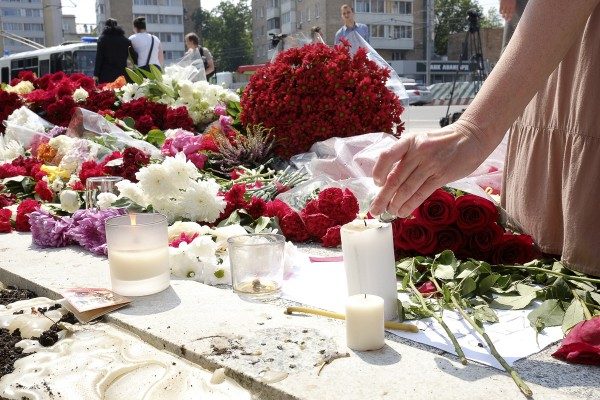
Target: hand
x=507 y=9
x=418 y=164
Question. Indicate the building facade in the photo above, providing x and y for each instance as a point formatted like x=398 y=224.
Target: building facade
x=169 y=20
x=396 y=27
x=36 y=20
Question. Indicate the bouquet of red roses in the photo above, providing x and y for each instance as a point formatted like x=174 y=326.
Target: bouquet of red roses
x=466 y=224
x=316 y=92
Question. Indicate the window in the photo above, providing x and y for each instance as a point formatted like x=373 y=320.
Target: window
x=401 y=7
x=12 y=26
x=377 y=31
x=33 y=27
x=406 y=32
x=377 y=6
x=363 y=6
x=317 y=11
x=273 y=23
x=272 y=3
x=397 y=55
x=32 y=13
x=11 y=12
x=286 y=18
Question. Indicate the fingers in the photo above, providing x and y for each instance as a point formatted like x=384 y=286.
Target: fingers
x=404 y=200
x=418 y=197
x=395 y=179
x=388 y=158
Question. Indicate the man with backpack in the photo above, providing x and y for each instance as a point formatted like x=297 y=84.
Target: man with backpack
x=147 y=47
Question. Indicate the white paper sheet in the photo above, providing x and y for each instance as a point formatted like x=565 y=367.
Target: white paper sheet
x=323 y=285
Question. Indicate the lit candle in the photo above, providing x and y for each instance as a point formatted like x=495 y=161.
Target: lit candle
x=368 y=248
x=138 y=254
x=364 y=322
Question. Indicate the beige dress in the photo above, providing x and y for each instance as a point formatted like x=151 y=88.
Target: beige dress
x=552 y=171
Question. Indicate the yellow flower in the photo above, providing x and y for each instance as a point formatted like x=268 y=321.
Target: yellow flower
x=55 y=172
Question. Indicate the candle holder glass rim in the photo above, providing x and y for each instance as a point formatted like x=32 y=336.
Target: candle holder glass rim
x=107 y=178
x=236 y=240
x=158 y=219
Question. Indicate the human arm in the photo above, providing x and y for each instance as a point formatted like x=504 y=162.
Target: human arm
x=161 y=55
x=507 y=9
x=210 y=61
x=418 y=164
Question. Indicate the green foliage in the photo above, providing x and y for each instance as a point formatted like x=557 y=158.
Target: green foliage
x=227 y=33
x=451 y=17
x=156 y=137
x=492 y=19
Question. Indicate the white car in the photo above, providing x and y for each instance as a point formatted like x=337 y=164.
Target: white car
x=418 y=94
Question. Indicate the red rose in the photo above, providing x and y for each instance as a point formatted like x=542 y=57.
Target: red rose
x=318 y=224
x=418 y=237
x=5 y=225
x=582 y=344
x=293 y=227
x=438 y=209
x=333 y=237
x=475 y=213
x=448 y=238
x=25 y=208
x=484 y=240
x=427 y=287
x=514 y=249
x=42 y=190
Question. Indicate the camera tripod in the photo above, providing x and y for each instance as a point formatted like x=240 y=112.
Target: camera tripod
x=472 y=54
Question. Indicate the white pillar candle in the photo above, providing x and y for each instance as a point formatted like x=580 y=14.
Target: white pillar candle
x=368 y=248
x=138 y=254
x=364 y=322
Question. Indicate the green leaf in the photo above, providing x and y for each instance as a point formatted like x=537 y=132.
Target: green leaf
x=134 y=76
x=549 y=313
x=261 y=224
x=573 y=315
x=595 y=296
x=559 y=290
x=445 y=265
x=405 y=281
x=405 y=265
x=130 y=122
x=466 y=269
x=487 y=283
x=219 y=273
x=503 y=281
x=503 y=302
x=468 y=286
x=146 y=74
x=156 y=137
x=156 y=72
x=526 y=289
x=485 y=314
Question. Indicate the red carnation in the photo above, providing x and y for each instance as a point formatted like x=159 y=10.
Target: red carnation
x=5 y=225
x=349 y=209
x=293 y=228
x=438 y=209
x=318 y=224
x=144 y=124
x=330 y=201
x=582 y=344
x=8 y=171
x=25 y=208
x=10 y=102
x=333 y=237
x=311 y=207
x=6 y=200
x=42 y=190
x=514 y=249
x=277 y=208
x=418 y=237
x=256 y=207
x=475 y=213
x=90 y=169
x=179 y=118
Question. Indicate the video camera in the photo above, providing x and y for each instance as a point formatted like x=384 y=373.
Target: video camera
x=473 y=16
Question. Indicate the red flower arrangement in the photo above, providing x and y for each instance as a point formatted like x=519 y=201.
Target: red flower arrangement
x=23 y=210
x=316 y=92
x=149 y=115
x=467 y=225
x=133 y=160
x=10 y=102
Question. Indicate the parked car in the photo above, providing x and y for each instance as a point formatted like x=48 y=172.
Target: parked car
x=418 y=94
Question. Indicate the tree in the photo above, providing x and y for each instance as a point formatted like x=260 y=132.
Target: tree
x=451 y=17
x=492 y=19
x=227 y=32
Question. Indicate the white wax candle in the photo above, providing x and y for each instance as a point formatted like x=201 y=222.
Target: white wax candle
x=368 y=248
x=135 y=265
x=364 y=322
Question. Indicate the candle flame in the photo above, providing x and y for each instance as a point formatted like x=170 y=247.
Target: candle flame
x=133 y=218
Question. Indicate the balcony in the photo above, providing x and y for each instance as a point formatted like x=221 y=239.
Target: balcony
x=273 y=12
x=392 y=44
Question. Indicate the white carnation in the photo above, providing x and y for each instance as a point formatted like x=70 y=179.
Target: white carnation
x=80 y=95
x=23 y=87
x=133 y=192
x=104 y=200
x=57 y=185
x=69 y=201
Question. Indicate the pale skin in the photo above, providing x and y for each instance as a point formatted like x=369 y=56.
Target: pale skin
x=192 y=46
x=417 y=164
x=348 y=17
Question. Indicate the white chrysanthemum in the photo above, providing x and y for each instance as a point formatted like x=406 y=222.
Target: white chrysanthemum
x=223 y=233
x=170 y=207
x=69 y=201
x=217 y=274
x=80 y=95
x=203 y=248
x=23 y=87
x=10 y=150
x=57 y=185
x=133 y=192
x=186 y=91
x=62 y=144
x=133 y=91
x=105 y=200
x=155 y=181
x=202 y=202
x=189 y=228
x=20 y=123
x=180 y=170
x=182 y=265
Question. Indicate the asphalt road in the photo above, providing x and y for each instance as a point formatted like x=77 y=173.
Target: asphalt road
x=424 y=118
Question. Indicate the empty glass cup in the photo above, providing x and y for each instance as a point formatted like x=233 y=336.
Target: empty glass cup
x=100 y=184
x=257 y=264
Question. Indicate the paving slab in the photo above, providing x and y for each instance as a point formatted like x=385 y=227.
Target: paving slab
x=277 y=356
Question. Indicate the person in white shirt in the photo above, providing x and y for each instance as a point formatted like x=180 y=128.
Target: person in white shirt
x=148 y=47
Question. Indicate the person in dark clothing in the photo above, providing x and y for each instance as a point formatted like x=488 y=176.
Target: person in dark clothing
x=112 y=52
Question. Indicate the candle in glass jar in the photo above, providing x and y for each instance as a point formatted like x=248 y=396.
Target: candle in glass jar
x=138 y=254
x=369 y=261
x=364 y=322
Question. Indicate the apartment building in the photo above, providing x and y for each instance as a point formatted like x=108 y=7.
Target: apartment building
x=167 y=19
x=36 y=20
x=396 y=27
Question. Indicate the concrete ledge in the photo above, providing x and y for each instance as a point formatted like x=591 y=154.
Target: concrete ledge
x=259 y=345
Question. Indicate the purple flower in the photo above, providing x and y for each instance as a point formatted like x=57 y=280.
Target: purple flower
x=88 y=228
x=57 y=131
x=220 y=109
x=48 y=230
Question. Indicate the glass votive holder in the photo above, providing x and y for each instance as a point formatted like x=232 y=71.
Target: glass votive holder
x=99 y=184
x=138 y=254
x=257 y=264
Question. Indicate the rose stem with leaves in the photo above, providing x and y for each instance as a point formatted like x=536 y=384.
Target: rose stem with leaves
x=439 y=319
x=513 y=373
x=550 y=272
